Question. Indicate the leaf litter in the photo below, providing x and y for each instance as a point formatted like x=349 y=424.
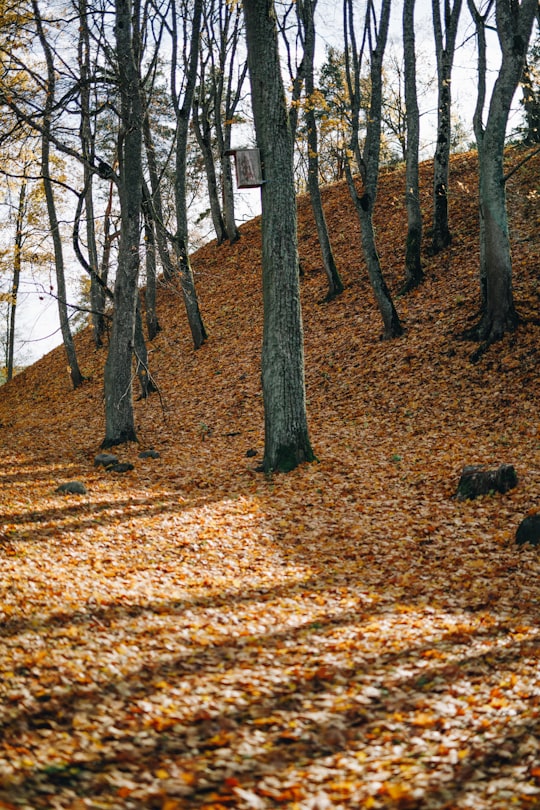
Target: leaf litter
x=194 y=634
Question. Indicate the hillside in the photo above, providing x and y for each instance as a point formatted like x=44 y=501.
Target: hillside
x=194 y=634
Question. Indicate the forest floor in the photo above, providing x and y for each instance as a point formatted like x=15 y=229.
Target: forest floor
x=195 y=634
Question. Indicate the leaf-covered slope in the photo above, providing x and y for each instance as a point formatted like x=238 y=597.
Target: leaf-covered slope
x=195 y=635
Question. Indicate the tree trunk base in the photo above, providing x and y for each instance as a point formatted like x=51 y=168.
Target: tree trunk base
x=488 y=331
x=393 y=330
x=122 y=438
x=440 y=244
x=77 y=378
x=330 y=296
x=287 y=458
x=412 y=283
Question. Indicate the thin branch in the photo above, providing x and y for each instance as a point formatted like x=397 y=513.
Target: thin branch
x=521 y=163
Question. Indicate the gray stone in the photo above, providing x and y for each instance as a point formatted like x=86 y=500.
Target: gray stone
x=105 y=460
x=528 y=531
x=149 y=454
x=72 y=488
x=121 y=467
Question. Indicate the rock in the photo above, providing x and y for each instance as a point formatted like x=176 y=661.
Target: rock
x=121 y=467
x=477 y=480
x=72 y=488
x=105 y=460
x=250 y=453
x=528 y=531
x=149 y=454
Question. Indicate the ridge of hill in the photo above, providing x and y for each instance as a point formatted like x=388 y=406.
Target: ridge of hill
x=194 y=634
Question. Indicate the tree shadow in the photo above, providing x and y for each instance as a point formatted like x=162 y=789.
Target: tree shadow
x=287 y=732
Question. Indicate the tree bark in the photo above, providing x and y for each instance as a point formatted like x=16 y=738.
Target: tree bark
x=187 y=280
x=287 y=441
x=445 y=43
x=97 y=293
x=141 y=358
x=514 y=25
x=306 y=12
x=152 y=322
x=531 y=99
x=17 y=260
x=414 y=274
x=219 y=96
x=119 y=416
x=69 y=346
x=368 y=158
x=203 y=133
x=155 y=209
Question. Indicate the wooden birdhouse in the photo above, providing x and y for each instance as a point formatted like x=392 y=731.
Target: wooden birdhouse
x=248 y=167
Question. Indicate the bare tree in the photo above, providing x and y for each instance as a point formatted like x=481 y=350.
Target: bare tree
x=221 y=78
x=445 y=45
x=306 y=14
x=87 y=137
x=182 y=104
x=513 y=20
x=286 y=431
x=414 y=274
x=46 y=127
x=374 y=36
x=14 y=292
x=119 y=416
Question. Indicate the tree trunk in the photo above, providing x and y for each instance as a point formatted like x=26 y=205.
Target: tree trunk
x=141 y=358
x=414 y=275
x=390 y=317
x=286 y=431
x=440 y=233
x=203 y=134
x=514 y=26
x=17 y=258
x=219 y=96
x=119 y=417
x=531 y=102
x=231 y=228
x=185 y=272
x=368 y=159
x=223 y=132
x=499 y=315
x=97 y=293
x=445 y=42
x=306 y=11
x=152 y=321
x=74 y=370
x=155 y=210
x=69 y=346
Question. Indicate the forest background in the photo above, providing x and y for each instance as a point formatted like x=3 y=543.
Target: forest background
x=37 y=325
